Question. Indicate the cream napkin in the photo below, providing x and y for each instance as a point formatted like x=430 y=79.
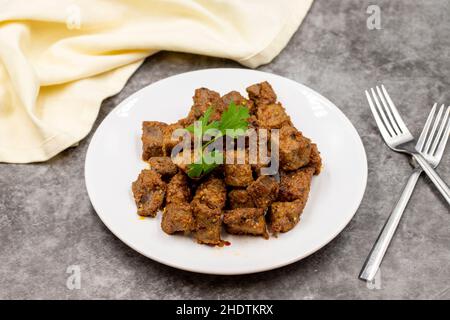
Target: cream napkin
x=60 y=59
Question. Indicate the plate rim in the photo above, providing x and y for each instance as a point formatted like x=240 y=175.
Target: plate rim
x=254 y=269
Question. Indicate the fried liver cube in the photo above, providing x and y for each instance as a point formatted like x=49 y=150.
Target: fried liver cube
x=209 y=199
x=203 y=99
x=152 y=139
x=148 y=191
x=272 y=116
x=296 y=185
x=168 y=142
x=238 y=99
x=178 y=190
x=253 y=121
x=177 y=217
x=182 y=160
x=263 y=191
x=315 y=160
x=163 y=165
x=238 y=175
x=211 y=192
x=208 y=224
x=239 y=198
x=249 y=221
x=263 y=158
x=237 y=170
x=185 y=122
x=294 y=149
x=283 y=216
x=262 y=93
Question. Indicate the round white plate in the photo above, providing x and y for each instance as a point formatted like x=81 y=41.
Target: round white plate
x=113 y=162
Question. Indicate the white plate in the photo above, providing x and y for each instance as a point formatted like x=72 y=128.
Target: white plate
x=113 y=162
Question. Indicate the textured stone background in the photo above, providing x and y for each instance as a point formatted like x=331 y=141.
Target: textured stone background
x=47 y=222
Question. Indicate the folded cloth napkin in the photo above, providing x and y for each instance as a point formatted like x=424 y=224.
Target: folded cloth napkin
x=60 y=59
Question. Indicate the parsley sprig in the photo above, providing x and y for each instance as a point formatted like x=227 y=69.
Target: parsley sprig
x=233 y=123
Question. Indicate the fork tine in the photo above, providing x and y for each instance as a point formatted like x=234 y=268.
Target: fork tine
x=382 y=114
x=443 y=142
x=440 y=131
x=383 y=131
x=433 y=130
x=426 y=128
x=395 y=113
x=388 y=111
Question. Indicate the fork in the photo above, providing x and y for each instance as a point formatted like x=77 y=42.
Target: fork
x=432 y=147
x=397 y=136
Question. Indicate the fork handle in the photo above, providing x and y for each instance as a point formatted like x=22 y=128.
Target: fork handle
x=376 y=255
x=434 y=177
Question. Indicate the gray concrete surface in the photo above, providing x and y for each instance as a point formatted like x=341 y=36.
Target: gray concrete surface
x=47 y=222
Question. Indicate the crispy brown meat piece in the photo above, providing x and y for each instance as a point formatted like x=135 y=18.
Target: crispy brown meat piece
x=248 y=221
x=177 y=217
x=211 y=192
x=315 y=160
x=262 y=93
x=163 y=165
x=182 y=160
x=257 y=168
x=238 y=175
x=238 y=100
x=294 y=149
x=272 y=116
x=253 y=121
x=167 y=141
x=207 y=224
x=178 y=190
x=263 y=157
x=149 y=191
x=283 y=216
x=295 y=185
x=185 y=122
x=239 y=198
x=152 y=137
x=263 y=191
x=209 y=199
x=203 y=99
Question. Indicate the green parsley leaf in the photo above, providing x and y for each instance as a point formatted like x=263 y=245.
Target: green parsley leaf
x=196 y=170
x=204 y=122
x=234 y=118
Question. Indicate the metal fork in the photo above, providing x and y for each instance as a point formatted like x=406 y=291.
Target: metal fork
x=432 y=147
x=397 y=136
